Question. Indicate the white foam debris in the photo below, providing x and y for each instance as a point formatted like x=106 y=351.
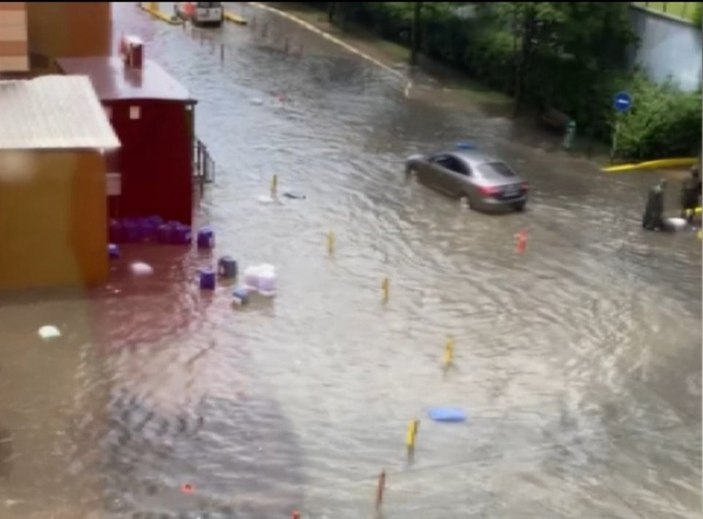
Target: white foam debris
x=49 y=332
x=140 y=268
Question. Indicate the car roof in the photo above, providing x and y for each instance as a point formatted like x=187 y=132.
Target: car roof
x=473 y=157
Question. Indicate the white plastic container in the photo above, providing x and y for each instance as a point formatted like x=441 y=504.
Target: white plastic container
x=261 y=278
x=251 y=277
x=267 y=281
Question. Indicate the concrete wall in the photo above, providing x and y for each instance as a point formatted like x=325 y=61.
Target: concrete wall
x=53 y=219
x=668 y=48
x=70 y=28
x=14 y=56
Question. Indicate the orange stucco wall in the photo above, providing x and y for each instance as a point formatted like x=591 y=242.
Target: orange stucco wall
x=70 y=28
x=52 y=219
x=13 y=37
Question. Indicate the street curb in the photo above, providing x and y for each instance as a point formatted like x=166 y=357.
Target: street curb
x=234 y=18
x=161 y=16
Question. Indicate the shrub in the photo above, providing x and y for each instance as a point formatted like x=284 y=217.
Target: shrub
x=663 y=122
x=574 y=69
x=698 y=14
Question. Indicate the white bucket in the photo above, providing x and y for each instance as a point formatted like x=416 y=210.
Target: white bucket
x=267 y=282
x=261 y=278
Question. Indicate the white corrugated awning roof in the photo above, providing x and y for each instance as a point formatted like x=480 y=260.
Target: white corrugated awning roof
x=53 y=112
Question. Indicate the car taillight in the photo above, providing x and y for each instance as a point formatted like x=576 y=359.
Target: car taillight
x=489 y=190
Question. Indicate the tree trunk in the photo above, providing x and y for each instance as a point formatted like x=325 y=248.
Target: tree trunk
x=516 y=61
x=415 y=42
x=523 y=60
x=330 y=11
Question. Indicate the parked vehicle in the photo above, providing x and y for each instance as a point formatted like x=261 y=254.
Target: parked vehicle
x=485 y=182
x=201 y=13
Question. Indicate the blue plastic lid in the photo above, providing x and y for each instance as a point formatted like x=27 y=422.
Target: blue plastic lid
x=465 y=145
x=447 y=414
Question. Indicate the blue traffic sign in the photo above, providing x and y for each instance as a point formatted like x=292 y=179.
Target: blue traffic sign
x=622 y=102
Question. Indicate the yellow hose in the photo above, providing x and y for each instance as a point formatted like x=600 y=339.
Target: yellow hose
x=652 y=164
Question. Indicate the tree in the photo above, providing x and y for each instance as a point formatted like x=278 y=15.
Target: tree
x=416 y=31
x=698 y=14
x=593 y=35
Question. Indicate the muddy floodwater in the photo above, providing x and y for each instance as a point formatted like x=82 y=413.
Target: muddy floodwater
x=578 y=362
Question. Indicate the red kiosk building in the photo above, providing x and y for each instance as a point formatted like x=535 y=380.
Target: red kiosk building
x=153 y=116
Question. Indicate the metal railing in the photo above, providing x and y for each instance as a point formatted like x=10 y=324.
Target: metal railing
x=203 y=165
x=682 y=10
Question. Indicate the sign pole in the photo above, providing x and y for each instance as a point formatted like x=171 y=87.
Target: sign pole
x=616 y=131
x=622 y=102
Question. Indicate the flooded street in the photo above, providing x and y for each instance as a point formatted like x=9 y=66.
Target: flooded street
x=578 y=363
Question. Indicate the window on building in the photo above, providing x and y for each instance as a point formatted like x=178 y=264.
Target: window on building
x=135 y=112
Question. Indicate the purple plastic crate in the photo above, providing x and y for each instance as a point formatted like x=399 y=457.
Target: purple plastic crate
x=207 y=279
x=156 y=220
x=206 y=238
x=131 y=230
x=145 y=229
x=164 y=233
x=183 y=235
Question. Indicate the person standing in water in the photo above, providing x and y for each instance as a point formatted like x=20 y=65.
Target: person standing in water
x=653 y=220
x=691 y=194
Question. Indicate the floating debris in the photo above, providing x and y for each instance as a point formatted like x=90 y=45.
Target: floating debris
x=49 y=332
x=141 y=269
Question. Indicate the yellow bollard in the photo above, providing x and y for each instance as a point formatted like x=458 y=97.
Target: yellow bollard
x=449 y=352
x=385 y=289
x=411 y=434
x=331 y=241
x=274 y=186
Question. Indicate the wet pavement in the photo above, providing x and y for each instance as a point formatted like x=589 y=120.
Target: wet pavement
x=579 y=362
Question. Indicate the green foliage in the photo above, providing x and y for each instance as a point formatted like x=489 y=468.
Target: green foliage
x=664 y=122
x=569 y=56
x=698 y=14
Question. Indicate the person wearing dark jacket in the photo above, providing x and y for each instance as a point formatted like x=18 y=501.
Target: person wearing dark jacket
x=652 y=220
x=690 y=194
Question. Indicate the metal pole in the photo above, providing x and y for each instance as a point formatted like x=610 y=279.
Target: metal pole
x=616 y=131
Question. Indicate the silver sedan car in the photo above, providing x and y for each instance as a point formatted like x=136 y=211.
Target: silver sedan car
x=485 y=182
